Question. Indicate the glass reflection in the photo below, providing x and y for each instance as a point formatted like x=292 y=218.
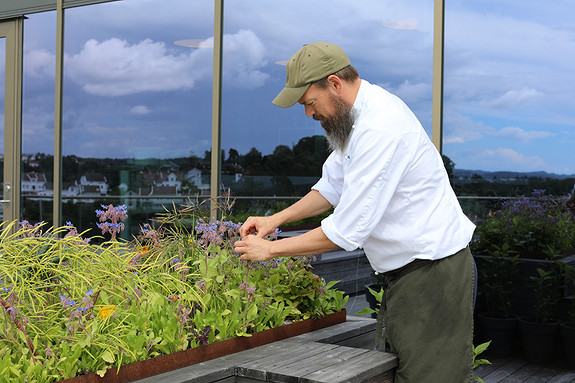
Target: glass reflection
x=2 y=93
x=38 y=117
x=276 y=154
x=136 y=109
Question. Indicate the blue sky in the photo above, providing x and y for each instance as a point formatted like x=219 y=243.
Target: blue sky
x=131 y=91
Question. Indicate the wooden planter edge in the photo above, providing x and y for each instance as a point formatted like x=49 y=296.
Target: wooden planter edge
x=165 y=363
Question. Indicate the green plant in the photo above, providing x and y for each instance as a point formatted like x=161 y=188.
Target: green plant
x=71 y=307
x=496 y=280
x=379 y=330
x=570 y=289
x=536 y=226
x=547 y=291
x=477 y=350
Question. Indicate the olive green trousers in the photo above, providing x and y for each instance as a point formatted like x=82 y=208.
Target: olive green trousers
x=428 y=316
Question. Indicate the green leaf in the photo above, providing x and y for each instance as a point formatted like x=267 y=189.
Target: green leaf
x=366 y=311
x=101 y=373
x=233 y=293
x=481 y=348
x=108 y=356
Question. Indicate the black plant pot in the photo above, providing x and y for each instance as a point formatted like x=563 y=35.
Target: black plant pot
x=538 y=340
x=568 y=335
x=500 y=331
x=373 y=304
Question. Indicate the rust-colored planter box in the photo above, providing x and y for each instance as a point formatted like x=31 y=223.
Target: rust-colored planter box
x=161 y=364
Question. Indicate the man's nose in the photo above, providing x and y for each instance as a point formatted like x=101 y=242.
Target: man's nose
x=309 y=111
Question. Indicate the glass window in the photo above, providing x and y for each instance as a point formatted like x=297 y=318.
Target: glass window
x=38 y=117
x=270 y=151
x=137 y=108
x=508 y=86
x=2 y=92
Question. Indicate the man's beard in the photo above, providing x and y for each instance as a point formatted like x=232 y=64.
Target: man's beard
x=338 y=126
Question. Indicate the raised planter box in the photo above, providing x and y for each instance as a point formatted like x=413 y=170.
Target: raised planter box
x=161 y=364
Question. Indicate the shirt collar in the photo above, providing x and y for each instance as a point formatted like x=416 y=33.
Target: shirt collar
x=361 y=97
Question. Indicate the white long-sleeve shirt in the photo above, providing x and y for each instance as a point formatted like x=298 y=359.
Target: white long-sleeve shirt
x=390 y=190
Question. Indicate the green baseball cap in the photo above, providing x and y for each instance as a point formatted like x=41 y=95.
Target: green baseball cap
x=311 y=63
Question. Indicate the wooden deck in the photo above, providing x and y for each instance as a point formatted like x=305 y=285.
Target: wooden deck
x=515 y=370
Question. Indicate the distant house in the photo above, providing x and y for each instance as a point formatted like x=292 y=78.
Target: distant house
x=162 y=196
x=30 y=160
x=196 y=179
x=93 y=184
x=162 y=178
x=33 y=183
x=172 y=179
x=70 y=189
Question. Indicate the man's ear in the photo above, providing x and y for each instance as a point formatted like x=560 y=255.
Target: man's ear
x=335 y=83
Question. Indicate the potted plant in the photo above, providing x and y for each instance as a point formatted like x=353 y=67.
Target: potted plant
x=539 y=229
x=496 y=321
x=568 y=324
x=539 y=332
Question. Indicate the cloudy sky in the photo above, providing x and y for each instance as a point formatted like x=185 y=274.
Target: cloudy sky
x=133 y=88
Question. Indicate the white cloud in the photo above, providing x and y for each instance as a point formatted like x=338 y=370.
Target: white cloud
x=244 y=54
x=516 y=133
x=505 y=158
x=459 y=129
x=39 y=63
x=412 y=93
x=140 y=110
x=114 y=67
x=514 y=98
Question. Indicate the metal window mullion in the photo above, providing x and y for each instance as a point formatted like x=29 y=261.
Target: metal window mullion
x=216 y=108
x=57 y=202
x=13 y=119
x=438 y=55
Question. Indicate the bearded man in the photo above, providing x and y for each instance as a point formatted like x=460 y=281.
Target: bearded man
x=392 y=198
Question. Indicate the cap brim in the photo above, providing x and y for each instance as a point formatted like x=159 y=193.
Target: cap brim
x=289 y=96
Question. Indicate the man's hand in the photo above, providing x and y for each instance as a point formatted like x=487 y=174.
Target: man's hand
x=254 y=248
x=260 y=225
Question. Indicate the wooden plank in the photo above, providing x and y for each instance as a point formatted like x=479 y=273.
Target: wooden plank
x=259 y=368
x=373 y=365
x=522 y=374
x=365 y=341
x=339 y=332
x=544 y=374
x=486 y=369
x=293 y=371
x=215 y=369
x=504 y=371
x=564 y=376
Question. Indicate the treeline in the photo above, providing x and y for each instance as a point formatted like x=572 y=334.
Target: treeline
x=304 y=159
